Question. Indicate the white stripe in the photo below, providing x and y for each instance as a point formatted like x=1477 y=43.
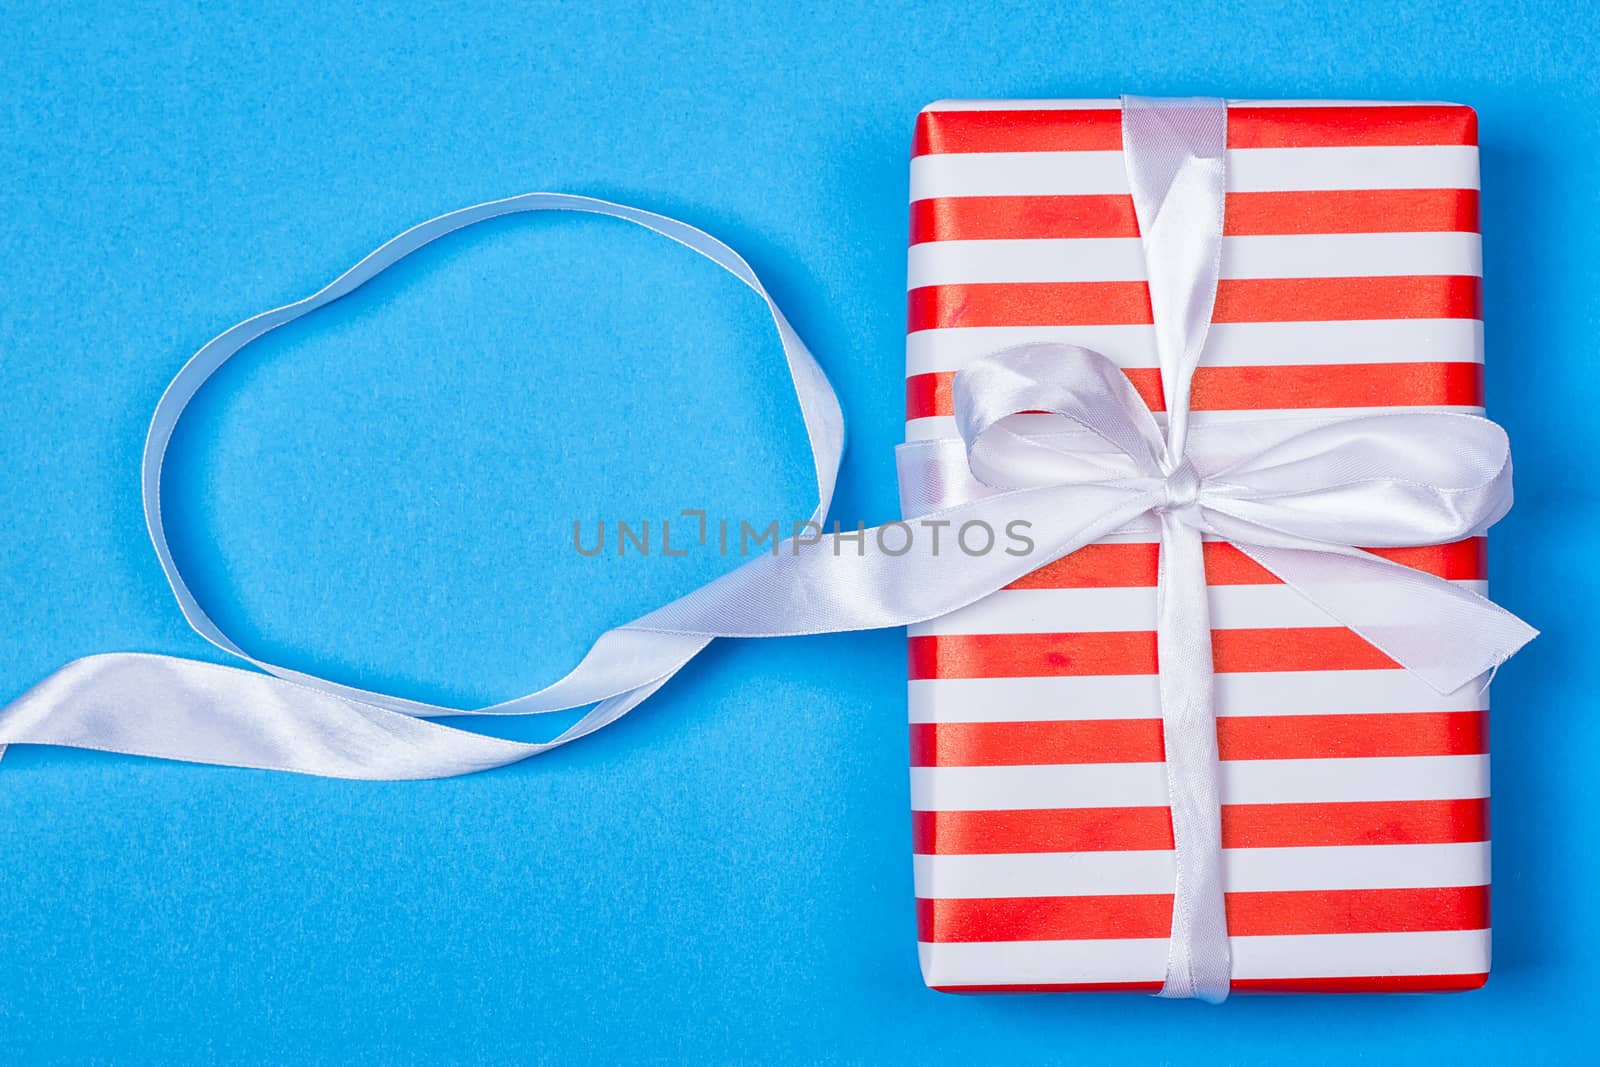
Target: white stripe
x=935 y=427
x=1048 y=611
x=1137 y=696
x=1250 y=170
x=1103 y=104
x=1228 y=344
x=1145 y=959
x=1121 y=259
x=1118 y=785
x=1246 y=870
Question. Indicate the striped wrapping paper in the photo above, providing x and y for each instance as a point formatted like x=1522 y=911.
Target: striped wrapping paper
x=1355 y=817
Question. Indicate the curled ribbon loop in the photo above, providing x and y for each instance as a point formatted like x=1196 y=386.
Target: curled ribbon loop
x=1294 y=496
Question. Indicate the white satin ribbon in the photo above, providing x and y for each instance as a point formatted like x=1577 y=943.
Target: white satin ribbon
x=1295 y=496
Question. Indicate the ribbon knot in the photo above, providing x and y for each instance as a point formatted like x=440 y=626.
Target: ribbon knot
x=1181 y=488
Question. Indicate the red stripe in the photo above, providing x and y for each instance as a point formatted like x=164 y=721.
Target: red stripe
x=973 y=833
x=1379 y=983
x=1451 y=296
x=929 y=394
x=1281 y=387
x=1137 y=915
x=1351 y=211
x=1069 y=987
x=1028 y=304
x=990 y=218
x=1135 y=565
x=1416 y=733
x=1365 y=822
x=1001 y=744
x=1351 y=126
x=1251 y=737
x=1100 y=129
x=1443 y=296
x=1307 y=648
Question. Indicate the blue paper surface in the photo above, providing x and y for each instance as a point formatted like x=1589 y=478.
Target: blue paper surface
x=386 y=492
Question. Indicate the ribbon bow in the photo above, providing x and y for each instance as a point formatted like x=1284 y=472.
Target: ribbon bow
x=1295 y=496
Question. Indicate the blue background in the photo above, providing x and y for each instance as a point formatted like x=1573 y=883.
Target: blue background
x=385 y=493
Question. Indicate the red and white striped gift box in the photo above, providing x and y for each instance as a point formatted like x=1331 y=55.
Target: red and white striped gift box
x=1355 y=799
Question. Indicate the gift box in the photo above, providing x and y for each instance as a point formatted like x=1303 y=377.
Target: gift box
x=1355 y=797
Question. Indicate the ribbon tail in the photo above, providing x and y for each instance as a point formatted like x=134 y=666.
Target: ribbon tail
x=169 y=708
x=1199 y=959
x=1445 y=634
x=203 y=713
x=178 y=709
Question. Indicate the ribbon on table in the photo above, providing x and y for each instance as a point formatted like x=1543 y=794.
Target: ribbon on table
x=1295 y=496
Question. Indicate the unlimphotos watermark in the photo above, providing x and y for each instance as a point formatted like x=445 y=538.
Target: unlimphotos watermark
x=740 y=537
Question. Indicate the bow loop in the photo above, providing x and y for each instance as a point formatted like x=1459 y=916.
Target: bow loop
x=1413 y=478
x=1085 y=389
